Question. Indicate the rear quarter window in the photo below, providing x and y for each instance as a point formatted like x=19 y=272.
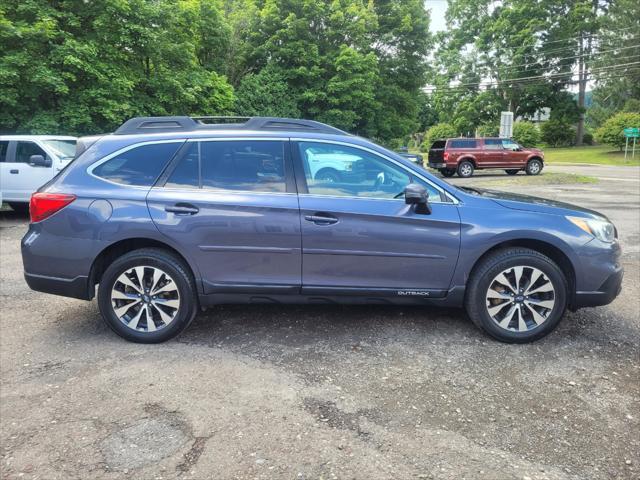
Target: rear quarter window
x=139 y=166
x=463 y=143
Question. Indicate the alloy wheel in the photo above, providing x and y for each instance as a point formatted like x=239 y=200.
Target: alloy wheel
x=520 y=298
x=145 y=298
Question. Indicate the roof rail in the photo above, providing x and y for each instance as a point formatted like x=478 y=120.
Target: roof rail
x=140 y=125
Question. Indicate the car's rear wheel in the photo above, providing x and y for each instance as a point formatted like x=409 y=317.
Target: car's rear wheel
x=512 y=172
x=516 y=295
x=448 y=172
x=465 y=169
x=147 y=296
x=534 y=167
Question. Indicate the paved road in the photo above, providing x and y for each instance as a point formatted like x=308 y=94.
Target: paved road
x=323 y=392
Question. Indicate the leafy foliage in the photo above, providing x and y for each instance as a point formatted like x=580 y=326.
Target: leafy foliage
x=437 y=132
x=557 y=133
x=81 y=67
x=488 y=130
x=526 y=133
x=612 y=131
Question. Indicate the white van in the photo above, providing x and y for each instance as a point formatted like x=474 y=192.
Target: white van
x=29 y=161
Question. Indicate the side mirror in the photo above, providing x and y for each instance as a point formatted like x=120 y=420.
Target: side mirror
x=417 y=195
x=39 y=161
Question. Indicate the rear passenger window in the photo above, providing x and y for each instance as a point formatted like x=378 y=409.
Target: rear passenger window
x=463 y=143
x=256 y=166
x=493 y=144
x=139 y=166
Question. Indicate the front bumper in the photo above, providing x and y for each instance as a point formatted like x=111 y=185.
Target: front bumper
x=605 y=294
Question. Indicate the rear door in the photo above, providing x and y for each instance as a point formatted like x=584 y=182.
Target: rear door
x=232 y=205
x=492 y=153
x=358 y=235
x=19 y=179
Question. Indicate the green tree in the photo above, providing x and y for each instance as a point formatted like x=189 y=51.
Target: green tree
x=526 y=133
x=77 y=67
x=612 y=131
x=438 y=132
x=557 y=133
x=265 y=93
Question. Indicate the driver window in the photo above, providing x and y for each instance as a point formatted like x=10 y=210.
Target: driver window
x=342 y=171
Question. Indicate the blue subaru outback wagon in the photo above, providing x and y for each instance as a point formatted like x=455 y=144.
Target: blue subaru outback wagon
x=171 y=214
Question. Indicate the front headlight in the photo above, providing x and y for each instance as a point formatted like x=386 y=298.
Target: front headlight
x=601 y=229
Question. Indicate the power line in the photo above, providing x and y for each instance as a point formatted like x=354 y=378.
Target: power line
x=596 y=78
x=520 y=80
x=575 y=56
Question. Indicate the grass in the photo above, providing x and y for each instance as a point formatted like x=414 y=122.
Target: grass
x=545 y=178
x=597 y=155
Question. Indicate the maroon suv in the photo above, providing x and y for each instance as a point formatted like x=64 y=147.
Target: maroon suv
x=464 y=155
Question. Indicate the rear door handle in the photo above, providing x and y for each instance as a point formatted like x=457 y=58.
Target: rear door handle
x=321 y=219
x=14 y=171
x=182 y=209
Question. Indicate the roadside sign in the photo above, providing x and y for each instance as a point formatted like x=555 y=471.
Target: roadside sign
x=632 y=132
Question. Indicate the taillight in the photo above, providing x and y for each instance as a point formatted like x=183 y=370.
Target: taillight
x=43 y=205
x=446 y=156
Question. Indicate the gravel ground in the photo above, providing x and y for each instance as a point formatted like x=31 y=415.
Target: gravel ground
x=323 y=392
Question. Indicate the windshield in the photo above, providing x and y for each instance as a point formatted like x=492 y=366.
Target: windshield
x=63 y=149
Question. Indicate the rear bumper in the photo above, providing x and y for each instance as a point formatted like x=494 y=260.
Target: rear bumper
x=607 y=292
x=437 y=165
x=77 y=287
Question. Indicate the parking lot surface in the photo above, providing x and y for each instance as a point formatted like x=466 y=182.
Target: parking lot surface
x=321 y=392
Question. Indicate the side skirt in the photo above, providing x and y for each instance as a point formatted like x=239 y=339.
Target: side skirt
x=329 y=296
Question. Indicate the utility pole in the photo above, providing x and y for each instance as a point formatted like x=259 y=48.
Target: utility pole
x=585 y=50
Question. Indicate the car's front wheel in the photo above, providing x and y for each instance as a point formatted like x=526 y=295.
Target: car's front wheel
x=147 y=296
x=534 y=167
x=516 y=295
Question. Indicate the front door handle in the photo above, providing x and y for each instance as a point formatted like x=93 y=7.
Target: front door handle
x=14 y=171
x=321 y=219
x=182 y=209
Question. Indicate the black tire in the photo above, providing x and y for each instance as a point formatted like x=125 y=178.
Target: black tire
x=328 y=175
x=19 y=207
x=175 y=268
x=465 y=169
x=491 y=266
x=512 y=172
x=448 y=172
x=534 y=167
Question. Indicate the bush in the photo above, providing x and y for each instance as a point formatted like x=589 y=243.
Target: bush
x=632 y=105
x=587 y=139
x=526 y=133
x=488 y=130
x=612 y=131
x=558 y=133
x=438 y=131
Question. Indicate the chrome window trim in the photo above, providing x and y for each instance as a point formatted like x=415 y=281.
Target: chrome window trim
x=204 y=191
x=95 y=165
x=411 y=173
x=238 y=139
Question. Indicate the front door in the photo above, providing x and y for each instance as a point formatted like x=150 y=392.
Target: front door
x=232 y=206
x=358 y=235
x=19 y=179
